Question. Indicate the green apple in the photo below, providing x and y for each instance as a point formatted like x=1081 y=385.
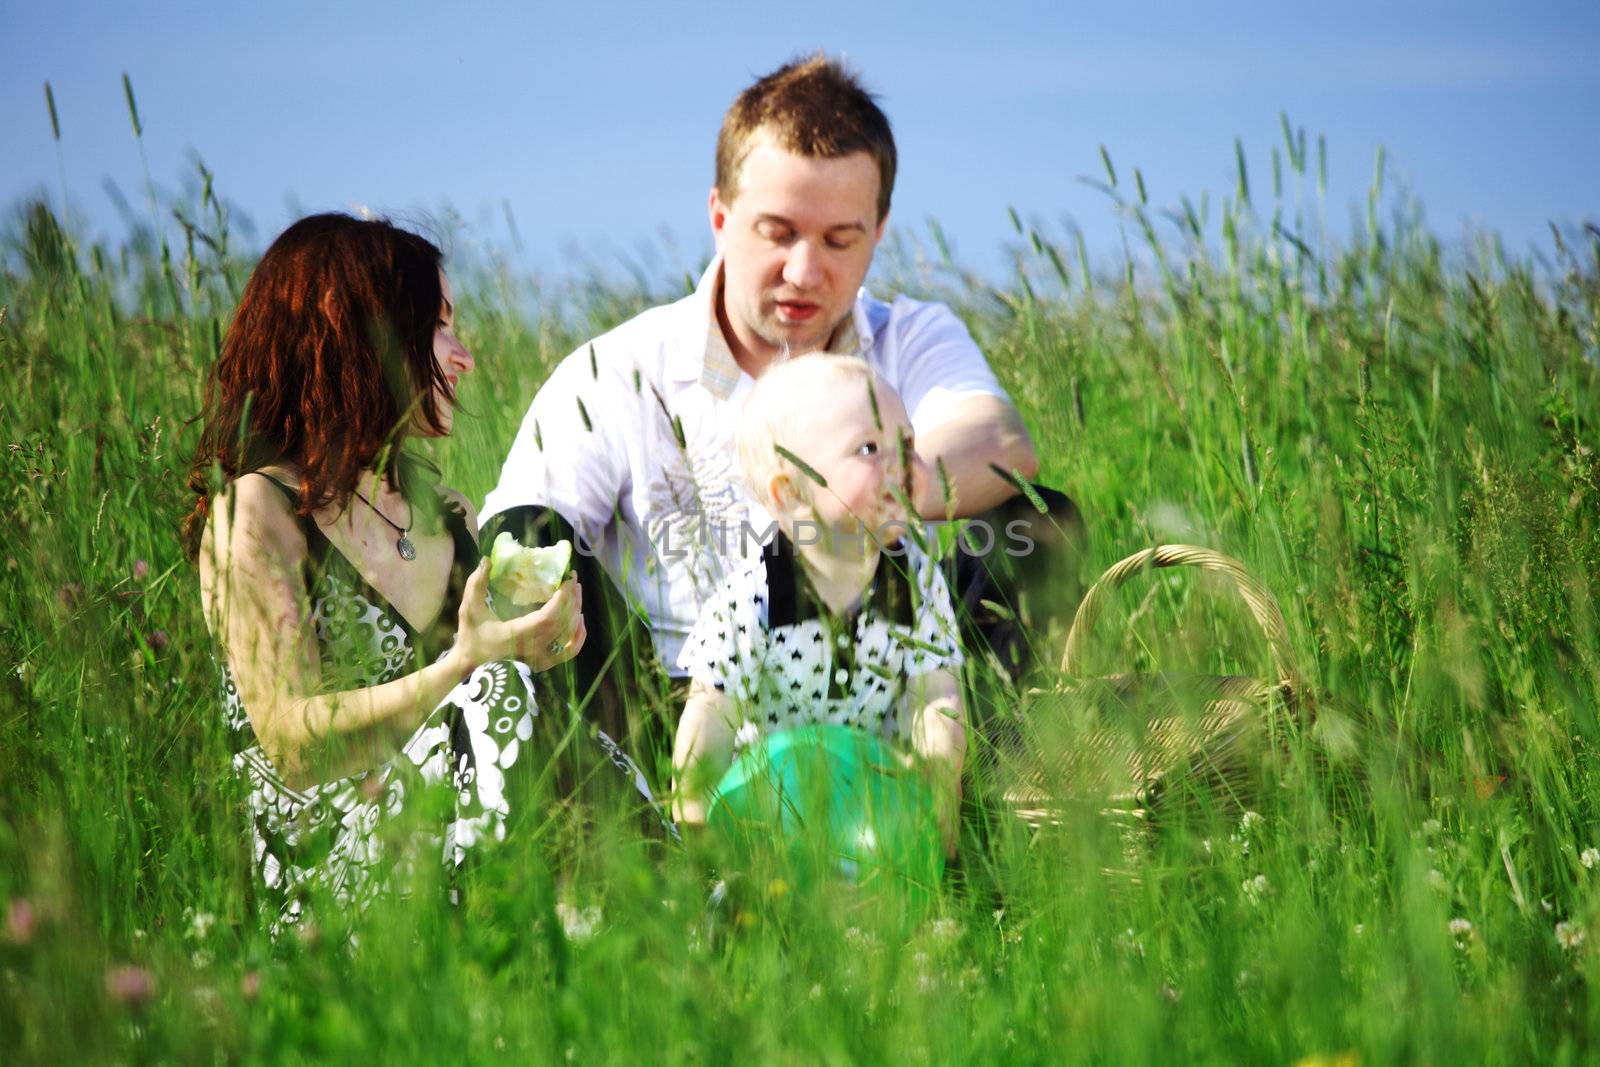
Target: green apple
x=521 y=579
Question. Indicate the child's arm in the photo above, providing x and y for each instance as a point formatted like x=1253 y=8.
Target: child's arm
x=937 y=728
x=701 y=751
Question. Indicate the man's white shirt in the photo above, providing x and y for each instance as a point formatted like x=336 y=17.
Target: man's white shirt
x=631 y=440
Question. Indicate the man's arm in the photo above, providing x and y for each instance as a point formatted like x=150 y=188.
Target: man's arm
x=961 y=414
x=979 y=431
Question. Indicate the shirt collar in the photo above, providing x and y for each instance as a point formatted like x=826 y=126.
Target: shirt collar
x=707 y=358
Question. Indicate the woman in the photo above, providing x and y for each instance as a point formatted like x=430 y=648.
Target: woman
x=342 y=582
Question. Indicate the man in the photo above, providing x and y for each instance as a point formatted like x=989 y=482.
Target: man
x=629 y=443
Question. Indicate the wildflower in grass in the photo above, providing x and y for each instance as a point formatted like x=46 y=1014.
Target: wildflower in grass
x=1347 y=1058
x=1460 y=927
x=1589 y=857
x=1436 y=878
x=208 y=1002
x=250 y=985
x=777 y=888
x=1249 y=820
x=1255 y=888
x=945 y=930
x=860 y=940
x=20 y=921
x=200 y=924
x=140 y=569
x=747 y=735
x=1432 y=827
x=158 y=640
x=1568 y=935
x=579 y=925
x=130 y=985
x=1359 y=929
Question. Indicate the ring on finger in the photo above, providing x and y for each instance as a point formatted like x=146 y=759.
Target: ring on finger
x=556 y=647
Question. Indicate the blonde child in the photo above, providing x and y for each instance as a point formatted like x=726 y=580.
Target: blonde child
x=840 y=618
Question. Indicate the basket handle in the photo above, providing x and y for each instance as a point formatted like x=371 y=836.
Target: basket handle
x=1257 y=597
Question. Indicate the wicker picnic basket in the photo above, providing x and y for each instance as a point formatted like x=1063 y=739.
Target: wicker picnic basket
x=1132 y=742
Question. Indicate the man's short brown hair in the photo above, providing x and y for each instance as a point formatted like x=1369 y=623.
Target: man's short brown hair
x=814 y=107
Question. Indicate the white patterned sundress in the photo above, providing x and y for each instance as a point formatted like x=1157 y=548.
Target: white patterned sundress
x=329 y=832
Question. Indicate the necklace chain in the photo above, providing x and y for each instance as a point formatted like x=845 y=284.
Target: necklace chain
x=407 y=550
x=402 y=529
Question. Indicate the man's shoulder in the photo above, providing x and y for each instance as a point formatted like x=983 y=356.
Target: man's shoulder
x=645 y=340
x=902 y=318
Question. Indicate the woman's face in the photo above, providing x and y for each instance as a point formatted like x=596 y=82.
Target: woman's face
x=451 y=355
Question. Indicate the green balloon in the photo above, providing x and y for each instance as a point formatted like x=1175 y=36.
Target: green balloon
x=838 y=794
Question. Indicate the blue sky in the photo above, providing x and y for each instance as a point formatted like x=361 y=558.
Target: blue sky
x=595 y=121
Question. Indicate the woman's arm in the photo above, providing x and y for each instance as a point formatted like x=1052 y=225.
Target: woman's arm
x=938 y=735
x=701 y=751
x=251 y=561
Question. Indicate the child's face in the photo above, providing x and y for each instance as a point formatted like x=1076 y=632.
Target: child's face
x=858 y=455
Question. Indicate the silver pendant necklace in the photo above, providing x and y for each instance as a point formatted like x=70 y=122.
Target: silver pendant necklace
x=407 y=550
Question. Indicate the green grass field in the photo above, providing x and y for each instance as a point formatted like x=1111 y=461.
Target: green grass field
x=1397 y=436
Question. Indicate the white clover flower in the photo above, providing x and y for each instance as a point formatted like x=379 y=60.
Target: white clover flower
x=925 y=979
x=1589 y=857
x=200 y=924
x=1432 y=826
x=578 y=925
x=749 y=733
x=1359 y=929
x=944 y=929
x=860 y=940
x=1255 y=888
x=1250 y=819
x=1569 y=936
x=1460 y=927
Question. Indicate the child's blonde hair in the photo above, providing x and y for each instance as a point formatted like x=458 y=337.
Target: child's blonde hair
x=772 y=418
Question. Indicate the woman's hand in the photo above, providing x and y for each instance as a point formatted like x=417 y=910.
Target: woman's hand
x=542 y=639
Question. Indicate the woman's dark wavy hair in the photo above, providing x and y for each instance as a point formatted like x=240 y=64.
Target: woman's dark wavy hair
x=327 y=361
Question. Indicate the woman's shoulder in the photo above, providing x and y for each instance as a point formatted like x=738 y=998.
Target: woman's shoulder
x=255 y=515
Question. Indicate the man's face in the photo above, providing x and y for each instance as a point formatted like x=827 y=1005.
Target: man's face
x=796 y=243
